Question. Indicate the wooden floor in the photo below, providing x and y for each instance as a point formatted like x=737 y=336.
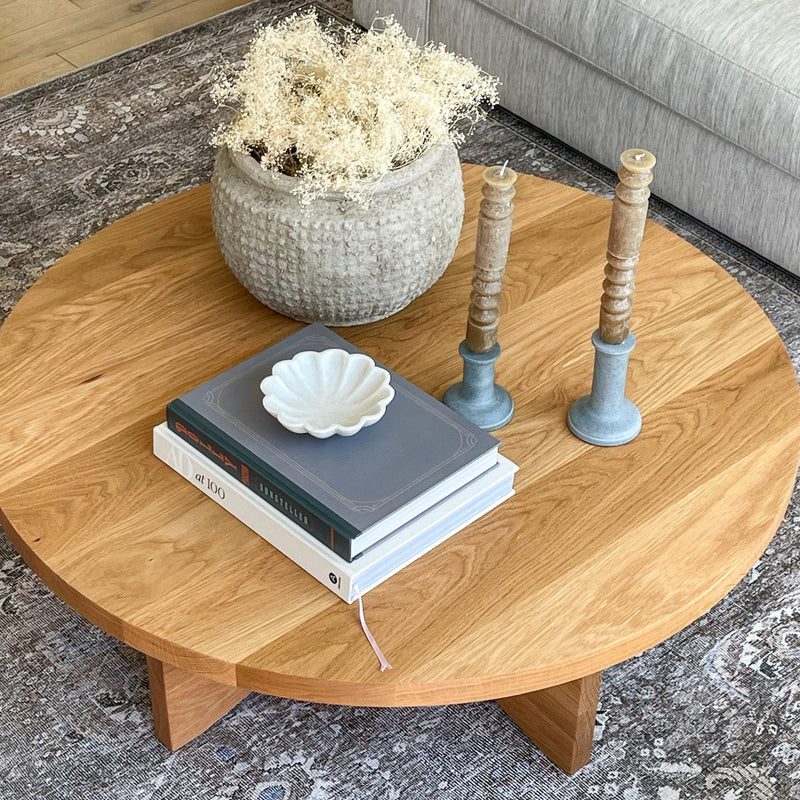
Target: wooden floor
x=40 y=39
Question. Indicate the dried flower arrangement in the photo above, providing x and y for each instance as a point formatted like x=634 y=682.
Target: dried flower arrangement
x=339 y=110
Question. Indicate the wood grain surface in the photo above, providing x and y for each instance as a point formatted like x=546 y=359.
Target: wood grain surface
x=560 y=720
x=40 y=39
x=186 y=704
x=602 y=553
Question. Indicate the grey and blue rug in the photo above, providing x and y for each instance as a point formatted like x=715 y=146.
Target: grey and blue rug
x=711 y=714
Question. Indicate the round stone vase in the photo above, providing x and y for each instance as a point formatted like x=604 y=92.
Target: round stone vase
x=333 y=261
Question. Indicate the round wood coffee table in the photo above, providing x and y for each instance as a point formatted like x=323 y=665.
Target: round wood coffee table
x=601 y=554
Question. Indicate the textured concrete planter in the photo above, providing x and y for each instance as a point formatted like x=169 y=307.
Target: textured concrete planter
x=337 y=263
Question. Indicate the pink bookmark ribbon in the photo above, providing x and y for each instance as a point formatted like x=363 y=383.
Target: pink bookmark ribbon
x=368 y=633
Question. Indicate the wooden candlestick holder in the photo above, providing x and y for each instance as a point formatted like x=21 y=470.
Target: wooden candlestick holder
x=477 y=396
x=605 y=416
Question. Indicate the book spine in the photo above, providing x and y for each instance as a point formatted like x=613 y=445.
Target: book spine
x=251 y=477
x=264 y=520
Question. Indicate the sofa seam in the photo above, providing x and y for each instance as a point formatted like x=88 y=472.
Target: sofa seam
x=681 y=34
x=597 y=68
x=720 y=56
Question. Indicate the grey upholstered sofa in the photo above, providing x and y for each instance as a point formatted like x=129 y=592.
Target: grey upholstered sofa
x=712 y=87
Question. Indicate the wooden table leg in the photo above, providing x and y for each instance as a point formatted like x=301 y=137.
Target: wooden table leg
x=559 y=720
x=186 y=704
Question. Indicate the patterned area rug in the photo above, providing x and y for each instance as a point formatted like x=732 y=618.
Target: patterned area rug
x=712 y=714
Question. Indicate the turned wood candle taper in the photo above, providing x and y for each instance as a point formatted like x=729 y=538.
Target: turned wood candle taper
x=491 y=254
x=628 y=217
x=477 y=396
x=606 y=416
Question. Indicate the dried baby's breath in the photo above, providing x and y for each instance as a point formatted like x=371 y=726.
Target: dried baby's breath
x=340 y=111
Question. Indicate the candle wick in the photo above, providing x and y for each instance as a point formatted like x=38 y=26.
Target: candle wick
x=503 y=169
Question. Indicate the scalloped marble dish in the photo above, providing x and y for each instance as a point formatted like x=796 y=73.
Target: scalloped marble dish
x=326 y=393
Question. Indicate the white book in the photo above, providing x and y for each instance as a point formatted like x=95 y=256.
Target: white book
x=348 y=580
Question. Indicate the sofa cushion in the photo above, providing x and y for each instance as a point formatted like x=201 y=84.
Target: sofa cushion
x=708 y=61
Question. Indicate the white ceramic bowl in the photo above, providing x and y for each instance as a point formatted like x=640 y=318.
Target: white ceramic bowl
x=327 y=392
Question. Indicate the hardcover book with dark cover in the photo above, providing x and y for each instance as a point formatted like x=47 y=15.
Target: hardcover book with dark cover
x=349 y=492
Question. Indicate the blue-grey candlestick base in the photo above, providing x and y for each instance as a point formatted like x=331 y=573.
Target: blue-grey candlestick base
x=606 y=417
x=477 y=396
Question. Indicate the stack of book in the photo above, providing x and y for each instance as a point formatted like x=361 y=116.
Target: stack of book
x=351 y=511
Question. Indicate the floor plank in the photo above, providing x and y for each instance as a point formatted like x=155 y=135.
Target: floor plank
x=90 y=3
x=40 y=39
x=18 y=15
x=25 y=75
x=77 y=27
x=150 y=28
